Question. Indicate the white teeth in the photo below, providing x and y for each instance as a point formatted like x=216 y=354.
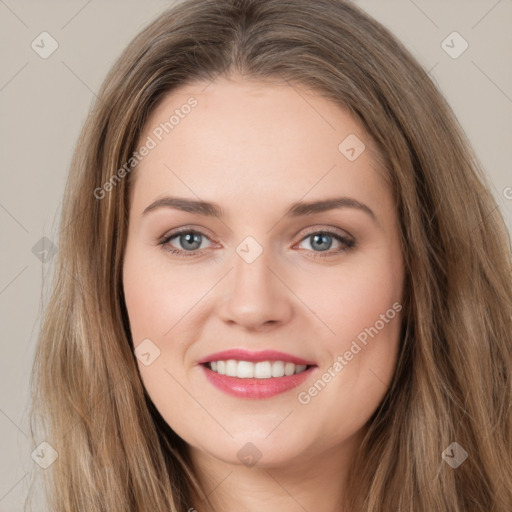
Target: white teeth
x=259 y=370
x=278 y=369
x=245 y=370
x=221 y=367
x=263 y=370
x=231 y=368
x=289 y=369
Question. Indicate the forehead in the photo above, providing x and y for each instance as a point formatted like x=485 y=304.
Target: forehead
x=246 y=138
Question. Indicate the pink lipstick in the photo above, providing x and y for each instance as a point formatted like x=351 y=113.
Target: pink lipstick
x=262 y=374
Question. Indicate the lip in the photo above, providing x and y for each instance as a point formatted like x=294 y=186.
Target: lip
x=263 y=355
x=256 y=388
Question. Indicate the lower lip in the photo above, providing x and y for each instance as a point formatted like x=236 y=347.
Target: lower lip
x=256 y=388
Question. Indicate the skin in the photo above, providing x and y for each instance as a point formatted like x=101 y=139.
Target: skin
x=255 y=148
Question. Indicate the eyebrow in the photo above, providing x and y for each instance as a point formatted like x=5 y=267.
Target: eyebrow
x=297 y=209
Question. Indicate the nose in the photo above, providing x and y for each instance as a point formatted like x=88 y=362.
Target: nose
x=254 y=295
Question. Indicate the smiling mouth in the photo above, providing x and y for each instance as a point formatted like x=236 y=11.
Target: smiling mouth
x=256 y=374
x=256 y=370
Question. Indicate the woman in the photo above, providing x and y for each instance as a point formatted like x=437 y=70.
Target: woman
x=283 y=282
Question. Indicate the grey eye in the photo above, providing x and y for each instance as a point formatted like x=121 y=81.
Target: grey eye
x=321 y=241
x=190 y=240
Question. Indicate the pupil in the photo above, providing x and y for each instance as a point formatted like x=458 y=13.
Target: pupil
x=322 y=239
x=193 y=239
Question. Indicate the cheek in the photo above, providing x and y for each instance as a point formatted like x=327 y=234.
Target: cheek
x=157 y=298
x=363 y=307
x=143 y=302
x=155 y=304
x=354 y=297
x=161 y=302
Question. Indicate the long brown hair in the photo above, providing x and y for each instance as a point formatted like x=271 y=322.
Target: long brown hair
x=453 y=378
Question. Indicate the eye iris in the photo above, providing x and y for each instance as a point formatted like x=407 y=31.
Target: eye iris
x=190 y=241
x=319 y=239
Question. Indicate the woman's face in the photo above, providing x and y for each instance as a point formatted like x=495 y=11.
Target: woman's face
x=261 y=226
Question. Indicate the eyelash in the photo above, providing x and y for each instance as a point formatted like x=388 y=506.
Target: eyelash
x=164 y=241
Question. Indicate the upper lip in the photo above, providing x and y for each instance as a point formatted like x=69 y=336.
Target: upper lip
x=241 y=354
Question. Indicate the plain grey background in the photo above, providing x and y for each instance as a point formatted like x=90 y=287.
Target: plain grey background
x=44 y=101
